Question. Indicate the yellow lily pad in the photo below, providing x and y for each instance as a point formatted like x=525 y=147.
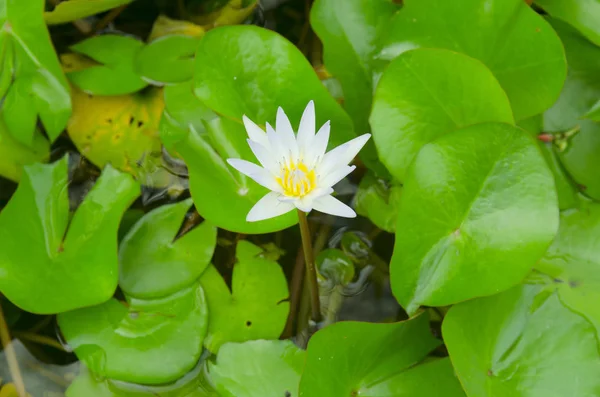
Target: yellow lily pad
x=164 y=26
x=120 y=130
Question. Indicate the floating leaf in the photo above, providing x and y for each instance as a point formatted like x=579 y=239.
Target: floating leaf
x=582 y=14
x=115 y=75
x=427 y=93
x=341 y=361
x=71 y=262
x=516 y=43
x=233 y=12
x=582 y=86
x=192 y=384
x=377 y=199
x=349 y=30
x=580 y=157
x=117 y=130
x=168 y=59
x=594 y=112
x=477 y=211
x=573 y=261
x=522 y=342
x=256 y=307
x=142 y=341
x=70 y=10
x=154 y=263
x=28 y=61
x=252 y=71
x=260 y=368
x=164 y=26
x=14 y=155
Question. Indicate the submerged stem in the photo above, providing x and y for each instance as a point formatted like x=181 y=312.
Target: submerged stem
x=11 y=356
x=311 y=272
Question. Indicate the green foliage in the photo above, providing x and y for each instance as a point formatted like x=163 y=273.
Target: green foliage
x=426 y=93
x=362 y=359
x=154 y=262
x=70 y=10
x=255 y=308
x=246 y=369
x=522 y=342
x=515 y=43
x=115 y=75
x=38 y=233
x=31 y=81
x=478 y=197
x=477 y=211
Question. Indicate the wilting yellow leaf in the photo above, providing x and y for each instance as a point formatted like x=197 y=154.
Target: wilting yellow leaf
x=232 y=13
x=9 y=390
x=120 y=130
x=164 y=26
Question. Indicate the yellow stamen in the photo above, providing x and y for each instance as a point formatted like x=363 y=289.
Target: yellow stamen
x=296 y=179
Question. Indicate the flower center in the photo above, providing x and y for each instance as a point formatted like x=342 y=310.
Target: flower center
x=296 y=179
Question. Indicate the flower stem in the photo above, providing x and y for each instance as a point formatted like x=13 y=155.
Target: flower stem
x=11 y=356
x=311 y=272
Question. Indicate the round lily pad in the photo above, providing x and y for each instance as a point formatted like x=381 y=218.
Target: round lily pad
x=154 y=263
x=74 y=255
x=511 y=39
x=260 y=368
x=167 y=59
x=522 y=343
x=141 y=341
x=427 y=93
x=342 y=362
x=573 y=261
x=256 y=307
x=477 y=211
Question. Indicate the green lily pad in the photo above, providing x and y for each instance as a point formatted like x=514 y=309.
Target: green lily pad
x=363 y=359
x=580 y=158
x=70 y=10
x=349 y=31
x=377 y=199
x=427 y=93
x=153 y=263
x=39 y=86
x=192 y=384
x=565 y=188
x=477 y=211
x=168 y=59
x=260 y=368
x=582 y=86
x=14 y=155
x=573 y=261
x=256 y=307
x=71 y=263
x=522 y=342
x=252 y=71
x=516 y=43
x=141 y=341
x=222 y=195
x=116 y=74
x=582 y=14
x=594 y=112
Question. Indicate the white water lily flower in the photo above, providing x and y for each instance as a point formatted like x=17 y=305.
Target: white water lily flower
x=296 y=168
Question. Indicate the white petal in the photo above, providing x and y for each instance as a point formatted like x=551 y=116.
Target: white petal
x=306 y=130
x=258 y=174
x=317 y=146
x=335 y=175
x=255 y=132
x=286 y=133
x=268 y=207
x=277 y=146
x=333 y=206
x=264 y=156
x=342 y=154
